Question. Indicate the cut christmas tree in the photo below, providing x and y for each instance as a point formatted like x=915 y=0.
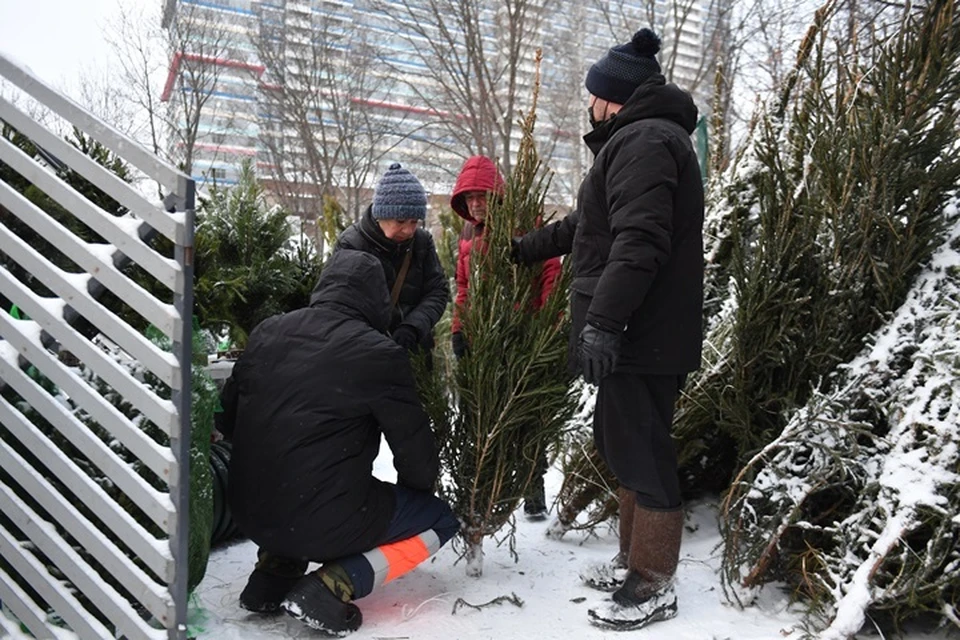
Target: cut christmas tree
x=501 y=407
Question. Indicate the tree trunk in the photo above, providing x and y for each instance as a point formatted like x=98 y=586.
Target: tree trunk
x=474 y=554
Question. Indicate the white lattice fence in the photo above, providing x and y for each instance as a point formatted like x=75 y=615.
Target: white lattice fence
x=93 y=512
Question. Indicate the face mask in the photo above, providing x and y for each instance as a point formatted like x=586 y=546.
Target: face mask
x=594 y=123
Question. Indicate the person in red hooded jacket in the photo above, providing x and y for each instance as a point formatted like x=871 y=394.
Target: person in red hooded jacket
x=478 y=181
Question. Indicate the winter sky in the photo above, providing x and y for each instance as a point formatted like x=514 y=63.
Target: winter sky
x=58 y=39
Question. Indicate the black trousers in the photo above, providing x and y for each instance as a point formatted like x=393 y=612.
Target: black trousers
x=631 y=427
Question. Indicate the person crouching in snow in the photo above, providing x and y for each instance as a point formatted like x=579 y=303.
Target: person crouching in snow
x=305 y=407
x=478 y=182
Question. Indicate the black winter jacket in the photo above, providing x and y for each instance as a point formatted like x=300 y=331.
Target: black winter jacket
x=307 y=402
x=425 y=291
x=636 y=234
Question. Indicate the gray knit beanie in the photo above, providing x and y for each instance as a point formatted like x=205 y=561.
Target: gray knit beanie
x=615 y=76
x=399 y=196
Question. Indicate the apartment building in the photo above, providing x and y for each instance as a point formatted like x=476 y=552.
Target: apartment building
x=315 y=125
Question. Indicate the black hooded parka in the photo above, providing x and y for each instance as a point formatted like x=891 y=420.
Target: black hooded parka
x=636 y=234
x=308 y=401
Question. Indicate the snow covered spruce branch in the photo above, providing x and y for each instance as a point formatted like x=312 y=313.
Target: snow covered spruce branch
x=854 y=504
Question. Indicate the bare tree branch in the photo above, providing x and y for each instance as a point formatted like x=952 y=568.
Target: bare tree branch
x=327 y=127
x=478 y=59
x=170 y=70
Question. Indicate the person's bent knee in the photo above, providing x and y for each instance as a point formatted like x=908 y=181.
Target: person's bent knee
x=447 y=523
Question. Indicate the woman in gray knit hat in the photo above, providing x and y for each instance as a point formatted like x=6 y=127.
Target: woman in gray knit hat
x=390 y=230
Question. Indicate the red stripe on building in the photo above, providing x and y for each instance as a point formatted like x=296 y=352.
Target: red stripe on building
x=194 y=57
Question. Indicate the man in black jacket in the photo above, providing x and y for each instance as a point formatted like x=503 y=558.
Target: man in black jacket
x=390 y=230
x=305 y=407
x=636 y=305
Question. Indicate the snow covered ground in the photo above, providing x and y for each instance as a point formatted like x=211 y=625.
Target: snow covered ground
x=419 y=605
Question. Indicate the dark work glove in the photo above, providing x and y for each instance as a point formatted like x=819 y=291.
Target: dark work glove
x=459 y=345
x=406 y=337
x=516 y=251
x=598 y=350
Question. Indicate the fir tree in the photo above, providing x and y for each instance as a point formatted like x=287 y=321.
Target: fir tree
x=509 y=398
x=204 y=400
x=248 y=264
x=333 y=222
x=204 y=392
x=814 y=235
x=854 y=503
x=95 y=151
x=588 y=494
x=825 y=222
x=844 y=196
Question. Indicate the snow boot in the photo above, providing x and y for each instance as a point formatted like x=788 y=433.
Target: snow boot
x=605 y=576
x=270 y=582
x=647 y=595
x=624 y=614
x=535 y=502
x=321 y=600
x=609 y=576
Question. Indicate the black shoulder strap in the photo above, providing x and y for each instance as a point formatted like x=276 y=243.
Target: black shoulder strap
x=395 y=294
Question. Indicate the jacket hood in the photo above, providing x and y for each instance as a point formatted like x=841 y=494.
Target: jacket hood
x=655 y=98
x=354 y=282
x=478 y=174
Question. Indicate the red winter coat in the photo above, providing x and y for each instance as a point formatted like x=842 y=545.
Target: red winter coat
x=480 y=174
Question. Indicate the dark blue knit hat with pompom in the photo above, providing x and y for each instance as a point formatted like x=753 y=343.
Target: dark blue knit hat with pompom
x=615 y=76
x=399 y=196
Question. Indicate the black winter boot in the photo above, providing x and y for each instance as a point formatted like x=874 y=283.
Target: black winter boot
x=627 y=611
x=535 y=502
x=269 y=583
x=605 y=576
x=647 y=594
x=321 y=600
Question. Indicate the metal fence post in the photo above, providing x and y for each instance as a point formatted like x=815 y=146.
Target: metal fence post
x=183 y=349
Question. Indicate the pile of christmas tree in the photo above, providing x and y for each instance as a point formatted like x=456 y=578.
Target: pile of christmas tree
x=837 y=229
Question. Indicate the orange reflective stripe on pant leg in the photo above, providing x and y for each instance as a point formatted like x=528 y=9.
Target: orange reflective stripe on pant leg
x=404 y=555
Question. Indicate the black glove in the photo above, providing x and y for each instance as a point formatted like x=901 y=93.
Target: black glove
x=516 y=251
x=598 y=350
x=459 y=345
x=406 y=336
